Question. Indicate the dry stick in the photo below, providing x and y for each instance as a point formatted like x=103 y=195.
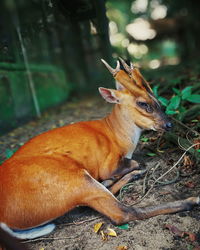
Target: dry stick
x=182 y=124
x=187 y=137
x=181 y=146
x=79 y=222
x=166 y=182
x=144 y=182
x=50 y=238
x=133 y=183
x=158 y=142
x=152 y=186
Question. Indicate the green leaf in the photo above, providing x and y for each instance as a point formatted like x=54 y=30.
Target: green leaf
x=170 y=112
x=174 y=103
x=9 y=153
x=163 y=101
x=193 y=98
x=125 y=226
x=144 y=139
x=151 y=154
x=186 y=92
x=177 y=91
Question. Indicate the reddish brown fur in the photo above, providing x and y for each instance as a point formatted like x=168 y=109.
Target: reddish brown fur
x=57 y=170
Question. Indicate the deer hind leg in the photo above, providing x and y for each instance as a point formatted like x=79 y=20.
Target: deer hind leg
x=102 y=200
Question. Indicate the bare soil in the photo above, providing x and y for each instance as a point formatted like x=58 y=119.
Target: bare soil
x=75 y=230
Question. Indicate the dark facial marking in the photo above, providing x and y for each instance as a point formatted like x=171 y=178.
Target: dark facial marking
x=145 y=85
x=147 y=107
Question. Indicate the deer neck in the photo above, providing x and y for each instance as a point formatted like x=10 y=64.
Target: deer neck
x=126 y=132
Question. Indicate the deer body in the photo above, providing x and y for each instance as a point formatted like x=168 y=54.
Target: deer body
x=51 y=163
x=61 y=169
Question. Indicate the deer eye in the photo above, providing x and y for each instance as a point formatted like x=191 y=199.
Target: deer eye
x=142 y=105
x=145 y=106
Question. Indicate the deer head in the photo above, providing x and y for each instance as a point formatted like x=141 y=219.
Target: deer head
x=136 y=97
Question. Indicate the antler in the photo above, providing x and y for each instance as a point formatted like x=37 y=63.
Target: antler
x=112 y=71
x=130 y=80
x=126 y=66
x=136 y=76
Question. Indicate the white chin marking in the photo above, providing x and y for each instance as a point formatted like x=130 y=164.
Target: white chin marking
x=135 y=138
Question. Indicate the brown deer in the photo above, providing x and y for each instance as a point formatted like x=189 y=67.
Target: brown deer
x=62 y=168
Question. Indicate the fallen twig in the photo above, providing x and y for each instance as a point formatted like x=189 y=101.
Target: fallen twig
x=160 y=177
x=185 y=126
x=79 y=222
x=49 y=238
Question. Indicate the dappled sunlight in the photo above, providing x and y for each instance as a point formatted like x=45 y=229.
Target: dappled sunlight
x=116 y=38
x=125 y=43
x=137 y=50
x=141 y=29
x=139 y=6
x=113 y=28
x=154 y=64
x=159 y=12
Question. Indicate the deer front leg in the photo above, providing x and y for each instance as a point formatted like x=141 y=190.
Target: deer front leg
x=125 y=166
x=95 y=195
x=135 y=174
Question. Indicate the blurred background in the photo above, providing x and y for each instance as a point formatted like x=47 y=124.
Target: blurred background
x=50 y=51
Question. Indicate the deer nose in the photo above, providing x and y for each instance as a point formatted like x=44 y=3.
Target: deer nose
x=168 y=125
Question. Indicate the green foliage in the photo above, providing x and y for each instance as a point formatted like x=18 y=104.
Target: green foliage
x=144 y=139
x=177 y=104
x=151 y=154
x=194 y=98
x=9 y=152
x=124 y=226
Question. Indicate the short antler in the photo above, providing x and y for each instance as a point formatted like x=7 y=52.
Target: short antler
x=130 y=77
x=112 y=71
x=125 y=65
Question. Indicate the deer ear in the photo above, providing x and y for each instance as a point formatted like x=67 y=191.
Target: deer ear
x=109 y=95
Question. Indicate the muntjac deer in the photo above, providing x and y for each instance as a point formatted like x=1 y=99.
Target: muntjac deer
x=64 y=167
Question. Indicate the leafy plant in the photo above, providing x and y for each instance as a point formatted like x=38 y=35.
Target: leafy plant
x=151 y=154
x=176 y=105
x=9 y=153
x=144 y=139
x=124 y=226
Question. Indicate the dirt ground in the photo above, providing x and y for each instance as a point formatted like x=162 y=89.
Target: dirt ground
x=75 y=230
